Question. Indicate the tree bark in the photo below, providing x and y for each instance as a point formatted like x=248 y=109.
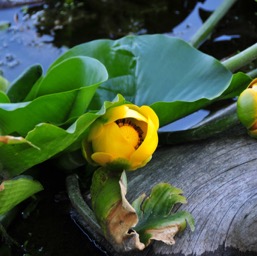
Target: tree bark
x=219 y=178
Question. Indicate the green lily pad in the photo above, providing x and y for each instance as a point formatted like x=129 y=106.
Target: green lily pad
x=166 y=73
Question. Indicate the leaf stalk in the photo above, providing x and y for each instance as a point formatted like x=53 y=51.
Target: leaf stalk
x=241 y=59
x=208 y=26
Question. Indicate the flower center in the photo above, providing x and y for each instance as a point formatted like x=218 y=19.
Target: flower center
x=131 y=132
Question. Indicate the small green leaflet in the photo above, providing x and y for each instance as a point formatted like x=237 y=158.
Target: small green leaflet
x=14 y=191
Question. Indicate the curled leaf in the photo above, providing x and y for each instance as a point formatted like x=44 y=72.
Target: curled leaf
x=113 y=212
x=128 y=227
x=156 y=220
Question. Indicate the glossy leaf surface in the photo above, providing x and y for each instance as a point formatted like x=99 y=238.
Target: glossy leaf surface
x=163 y=72
x=60 y=97
x=46 y=140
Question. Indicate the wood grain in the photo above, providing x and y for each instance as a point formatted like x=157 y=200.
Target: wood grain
x=219 y=178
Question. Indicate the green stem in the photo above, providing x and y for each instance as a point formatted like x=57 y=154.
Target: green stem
x=211 y=22
x=80 y=205
x=253 y=73
x=216 y=123
x=241 y=59
x=237 y=61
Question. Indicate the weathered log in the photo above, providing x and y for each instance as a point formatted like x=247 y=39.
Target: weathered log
x=218 y=177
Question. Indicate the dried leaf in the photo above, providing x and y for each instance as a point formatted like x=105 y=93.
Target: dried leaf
x=132 y=227
x=156 y=221
x=113 y=212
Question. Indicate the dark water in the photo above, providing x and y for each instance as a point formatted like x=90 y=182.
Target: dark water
x=39 y=33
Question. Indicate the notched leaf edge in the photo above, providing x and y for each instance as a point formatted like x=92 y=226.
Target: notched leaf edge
x=127 y=229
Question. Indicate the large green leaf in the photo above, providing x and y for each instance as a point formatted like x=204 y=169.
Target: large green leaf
x=12 y=192
x=47 y=140
x=164 y=72
x=58 y=98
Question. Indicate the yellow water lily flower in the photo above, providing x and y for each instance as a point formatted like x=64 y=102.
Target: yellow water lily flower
x=125 y=137
x=247 y=108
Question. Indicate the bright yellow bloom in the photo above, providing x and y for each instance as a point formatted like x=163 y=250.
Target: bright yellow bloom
x=124 y=138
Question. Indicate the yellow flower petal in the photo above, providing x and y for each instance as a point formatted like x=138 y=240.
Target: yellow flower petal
x=147 y=148
x=124 y=137
x=95 y=130
x=124 y=111
x=112 y=141
x=147 y=111
x=102 y=158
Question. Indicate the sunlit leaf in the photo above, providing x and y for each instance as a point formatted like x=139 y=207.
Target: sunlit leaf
x=61 y=96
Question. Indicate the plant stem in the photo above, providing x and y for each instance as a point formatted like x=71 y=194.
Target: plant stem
x=241 y=59
x=80 y=205
x=252 y=73
x=212 y=125
x=211 y=22
x=235 y=62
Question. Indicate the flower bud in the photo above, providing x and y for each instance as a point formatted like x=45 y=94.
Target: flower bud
x=247 y=108
x=125 y=137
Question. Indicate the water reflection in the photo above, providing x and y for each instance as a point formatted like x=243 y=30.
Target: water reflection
x=235 y=32
x=41 y=32
x=71 y=24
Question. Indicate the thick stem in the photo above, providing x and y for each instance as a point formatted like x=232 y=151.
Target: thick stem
x=211 y=22
x=241 y=59
x=80 y=205
x=237 y=61
x=218 y=122
x=253 y=73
